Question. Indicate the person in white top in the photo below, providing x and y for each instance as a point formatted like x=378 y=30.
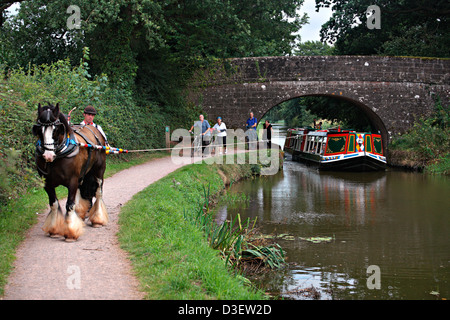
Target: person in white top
x=221 y=129
x=89 y=114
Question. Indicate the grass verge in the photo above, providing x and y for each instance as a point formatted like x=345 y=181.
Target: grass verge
x=170 y=255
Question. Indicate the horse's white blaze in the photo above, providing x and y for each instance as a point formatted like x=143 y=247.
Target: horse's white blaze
x=48 y=136
x=49 y=143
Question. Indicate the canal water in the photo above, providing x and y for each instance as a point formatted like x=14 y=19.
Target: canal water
x=380 y=235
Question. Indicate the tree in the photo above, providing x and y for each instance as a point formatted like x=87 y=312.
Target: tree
x=313 y=48
x=338 y=111
x=151 y=42
x=408 y=27
x=4 y=5
x=300 y=112
x=38 y=34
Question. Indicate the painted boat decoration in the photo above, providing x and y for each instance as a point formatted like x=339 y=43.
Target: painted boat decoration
x=337 y=150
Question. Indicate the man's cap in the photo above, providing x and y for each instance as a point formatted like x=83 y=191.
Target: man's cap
x=90 y=110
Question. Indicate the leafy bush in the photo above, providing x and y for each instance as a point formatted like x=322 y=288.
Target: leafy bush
x=441 y=166
x=428 y=141
x=126 y=124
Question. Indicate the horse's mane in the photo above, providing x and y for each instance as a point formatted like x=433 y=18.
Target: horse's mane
x=63 y=120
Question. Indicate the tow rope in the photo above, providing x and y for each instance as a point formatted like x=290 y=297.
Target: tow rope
x=108 y=150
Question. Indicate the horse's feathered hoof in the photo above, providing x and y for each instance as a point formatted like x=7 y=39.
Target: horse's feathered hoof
x=54 y=223
x=82 y=206
x=74 y=226
x=54 y=235
x=98 y=215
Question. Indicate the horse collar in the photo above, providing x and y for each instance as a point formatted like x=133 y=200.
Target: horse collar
x=67 y=148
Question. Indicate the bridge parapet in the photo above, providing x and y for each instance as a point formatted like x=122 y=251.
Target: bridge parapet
x=328 y=68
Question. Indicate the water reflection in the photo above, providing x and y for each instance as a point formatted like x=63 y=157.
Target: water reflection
x=398 y=221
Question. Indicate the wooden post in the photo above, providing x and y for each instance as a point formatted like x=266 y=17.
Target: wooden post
x=168 y=138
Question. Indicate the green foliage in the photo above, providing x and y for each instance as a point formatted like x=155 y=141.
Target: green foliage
x=38 y=34
x=441 y=166
x=314 y=48
x=408 y=27
x=126 y=124
x=233 y=238
x=150 y=47
x=301 y=112
x=272 y=256
x=428 y=140
x=16 y=217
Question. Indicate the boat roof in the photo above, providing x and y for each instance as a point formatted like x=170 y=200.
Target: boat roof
x=321 y=133
x=318 y=133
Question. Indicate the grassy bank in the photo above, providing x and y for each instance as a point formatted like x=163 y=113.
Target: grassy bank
x=426 y=146
x=19 y=214
x=170 y=255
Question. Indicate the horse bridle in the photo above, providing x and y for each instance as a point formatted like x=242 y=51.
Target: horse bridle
x=56 y=146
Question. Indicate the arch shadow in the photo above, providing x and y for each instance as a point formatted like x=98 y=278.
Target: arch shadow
x=374 y=120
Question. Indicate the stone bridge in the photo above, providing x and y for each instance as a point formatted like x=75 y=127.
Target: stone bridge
x=392 y=91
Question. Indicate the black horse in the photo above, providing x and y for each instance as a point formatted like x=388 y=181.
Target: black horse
x=61 y=161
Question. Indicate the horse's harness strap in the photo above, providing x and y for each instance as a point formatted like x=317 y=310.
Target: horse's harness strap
x=69 y=148
x=86 y=165
x=96 y=138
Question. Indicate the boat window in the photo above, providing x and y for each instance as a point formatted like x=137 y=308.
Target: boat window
x=313 y=145
x=305 y=147
x=351 y=143
x=368 y=145
x=377 y=145
x=297 y=143
x=336 y=144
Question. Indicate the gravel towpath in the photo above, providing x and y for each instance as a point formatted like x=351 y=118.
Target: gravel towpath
x=92 y=268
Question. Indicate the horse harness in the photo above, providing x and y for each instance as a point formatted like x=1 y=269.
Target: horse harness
x=67 y=148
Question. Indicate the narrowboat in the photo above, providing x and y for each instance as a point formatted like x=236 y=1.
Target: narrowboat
x=336 y=150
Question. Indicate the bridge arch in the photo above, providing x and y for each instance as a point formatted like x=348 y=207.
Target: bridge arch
x=392 y=91
x=375 y=121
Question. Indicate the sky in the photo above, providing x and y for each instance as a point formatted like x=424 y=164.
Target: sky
x=309 y=32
